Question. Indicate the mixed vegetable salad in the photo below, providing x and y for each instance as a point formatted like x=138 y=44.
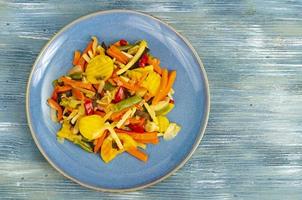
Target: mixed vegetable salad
x=114 y=99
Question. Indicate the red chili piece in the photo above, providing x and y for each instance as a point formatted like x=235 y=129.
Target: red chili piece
x=143 y=61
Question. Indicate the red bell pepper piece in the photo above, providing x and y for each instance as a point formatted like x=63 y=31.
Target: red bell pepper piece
x=120 y=95
x=88 y=107
x=137 y=128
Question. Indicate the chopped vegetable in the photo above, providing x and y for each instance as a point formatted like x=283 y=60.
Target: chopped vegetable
x=151 y=126
x=171 y=131
x=163 y=123
x=143 y=61
x=152 y=83
x=99 y=68
x=114 y=52
x=114 y=99
x=125 y=47
x=123 y=42
x=142 y=46
x=171 y=79
x=126 y=103
x=92 y=126
x=120 y=95
x=77 y=94
x=133 y=49
x=82 y=61
x=69 y=102
x=137 y=128
x=165 y=110
x=138 y=154
x=75 y=69
x=88 y=107
x=151 y=112
x=109 y=150
x=108 y=86
x=125 y=117
x=162 y=87
x=76 y=57
x=53 y=104
x=77 y=84
x=99 y=142
x=155 y=63
x=65 y=133
x=160 y=105
x=84 y=145
x=76 y=76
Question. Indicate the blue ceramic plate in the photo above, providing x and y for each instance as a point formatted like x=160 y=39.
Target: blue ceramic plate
x=125 y=172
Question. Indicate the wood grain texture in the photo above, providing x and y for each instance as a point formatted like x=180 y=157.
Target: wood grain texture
x=252 y=51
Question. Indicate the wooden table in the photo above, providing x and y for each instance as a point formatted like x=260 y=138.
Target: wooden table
x=252 y=51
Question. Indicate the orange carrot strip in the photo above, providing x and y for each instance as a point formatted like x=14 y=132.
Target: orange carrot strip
x=59 y=89
x=117 y=44
x=171 y=79
x=79 y=84
x=82 y=61
x=157 y=69
x=139 y=136
x=144 y=136
x=102 y=114
x=76 y=57
x=99 y=142
x=54 y=95
x=163 y=83
x=117 y=115
x=138 y=154
x=113 y=54
x=53 y=104
x=124 y=131
x=89 y=47
x=111 y=81
x=65 y=88
x=78 y=94
x=125 y=84
x=155 y=63
x=139 y=121
x=149 y=141
x=119 y=52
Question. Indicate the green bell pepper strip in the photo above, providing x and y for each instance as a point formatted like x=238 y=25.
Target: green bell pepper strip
x=126 y=103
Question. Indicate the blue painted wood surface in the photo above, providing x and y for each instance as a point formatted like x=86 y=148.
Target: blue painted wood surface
x=252 y=51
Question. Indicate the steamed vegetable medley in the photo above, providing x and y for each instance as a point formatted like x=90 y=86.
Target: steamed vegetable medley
x=114 y=99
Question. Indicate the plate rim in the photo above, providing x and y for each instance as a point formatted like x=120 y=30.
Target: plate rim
x=202 y=128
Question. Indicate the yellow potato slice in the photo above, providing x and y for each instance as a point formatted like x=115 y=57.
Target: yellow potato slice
x=99 y=68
